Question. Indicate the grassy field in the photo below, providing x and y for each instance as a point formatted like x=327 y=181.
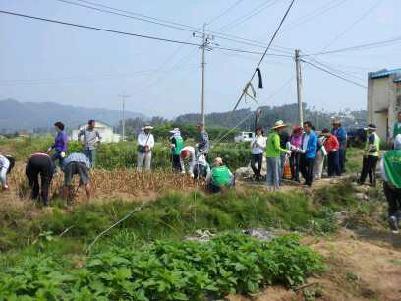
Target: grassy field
x=174 y=242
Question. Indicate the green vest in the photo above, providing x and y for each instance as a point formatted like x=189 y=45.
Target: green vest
x=392 y=167
x=221 y=176
x=397 y=130
x=373 y=149
x=179 y=145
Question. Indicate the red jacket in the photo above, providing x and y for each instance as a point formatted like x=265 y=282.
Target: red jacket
x=331 y=144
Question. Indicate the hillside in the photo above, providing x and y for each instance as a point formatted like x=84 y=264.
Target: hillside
x=15 y=115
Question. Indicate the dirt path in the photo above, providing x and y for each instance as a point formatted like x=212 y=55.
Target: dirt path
x=357 y=269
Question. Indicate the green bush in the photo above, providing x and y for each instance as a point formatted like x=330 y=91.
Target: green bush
x=165 y=270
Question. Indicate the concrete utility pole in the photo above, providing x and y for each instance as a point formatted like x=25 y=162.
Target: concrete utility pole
x=299 y=86
x=203 y=76
x=123 y=97
x=206 y=45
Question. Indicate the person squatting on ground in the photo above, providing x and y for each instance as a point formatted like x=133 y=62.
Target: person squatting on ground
x=258 y=146
x=220 y=177
x=60 y=145
x=7 y=163
x=296 y=148
x=177 y=144
x=371 y=156
x=188 y=160
x=76 y=164
x=332 y=147
x=342 y=137
x=203 y=143
x=309 y=149
x=146 y=142
x=390 y=167
x=273 y=158
x=40 y=164
x=321 y=155
x=91 y=140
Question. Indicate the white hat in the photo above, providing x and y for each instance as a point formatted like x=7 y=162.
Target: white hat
x=397 y=142
x=175 y=131
x=147 y=127
x=279 y=124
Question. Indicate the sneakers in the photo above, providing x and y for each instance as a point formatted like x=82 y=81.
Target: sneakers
x=393 y=222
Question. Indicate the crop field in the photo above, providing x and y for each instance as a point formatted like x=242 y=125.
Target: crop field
x=159 y=236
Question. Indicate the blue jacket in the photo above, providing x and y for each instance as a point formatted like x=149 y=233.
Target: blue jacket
x=311 y=149
x=341 y=135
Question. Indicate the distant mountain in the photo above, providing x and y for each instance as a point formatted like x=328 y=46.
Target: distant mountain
x=15 y=115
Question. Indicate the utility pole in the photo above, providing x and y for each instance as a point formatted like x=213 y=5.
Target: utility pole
x=123 y=98
x=299 y=86
x=206 y=45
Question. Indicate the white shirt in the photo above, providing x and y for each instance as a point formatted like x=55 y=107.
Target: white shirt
x=146 y=140
x=4 y=162
x=192 y=158
x=305 y=141
x=258 y=145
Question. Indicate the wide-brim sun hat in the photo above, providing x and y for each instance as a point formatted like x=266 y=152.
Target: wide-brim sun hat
x=148 y=127
x=279 y=124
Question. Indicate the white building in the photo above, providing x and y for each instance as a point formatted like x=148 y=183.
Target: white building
x=105 y=131
x=244 y=137
x=384 y=100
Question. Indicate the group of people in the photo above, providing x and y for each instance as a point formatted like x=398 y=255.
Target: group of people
x=41 y=166
x=187 y=159
x=303 y=152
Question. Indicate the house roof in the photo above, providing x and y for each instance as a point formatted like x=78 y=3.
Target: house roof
x=386 y=73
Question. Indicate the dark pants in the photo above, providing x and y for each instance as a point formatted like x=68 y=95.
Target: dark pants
x=333 y=164
x=306 y=166
x=342 y=154
x=393 y=197
x=294 y=163
x=176 y=162
x=257 y=159
x=91 y=154
x=369 y=168
x=57 y=156
x=43 y=166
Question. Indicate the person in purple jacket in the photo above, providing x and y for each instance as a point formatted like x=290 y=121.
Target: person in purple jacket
x=60 y=143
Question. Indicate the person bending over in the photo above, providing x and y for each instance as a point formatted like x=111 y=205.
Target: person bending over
x=220 y=177
x=76 y=164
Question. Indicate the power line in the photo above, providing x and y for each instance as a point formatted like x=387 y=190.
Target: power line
x=124 y=32
x=370 y=45
x=335 y=75
x=265 y=52
x=253 y=13
x=316 y=13
x=357 y=21
x=98 y=29
x=144 y=18
x=223 y=13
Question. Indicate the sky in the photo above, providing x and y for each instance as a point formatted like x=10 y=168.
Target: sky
x=42 y=61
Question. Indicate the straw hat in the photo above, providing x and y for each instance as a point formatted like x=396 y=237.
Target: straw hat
x=279 y=124
x=218 y=160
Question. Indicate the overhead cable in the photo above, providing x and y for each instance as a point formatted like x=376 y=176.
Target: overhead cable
x=335 y=75
x=265 y=52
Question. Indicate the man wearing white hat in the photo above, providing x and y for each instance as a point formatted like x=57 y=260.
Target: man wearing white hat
x=273 y=155
x=145 y=144
x=177 y=144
